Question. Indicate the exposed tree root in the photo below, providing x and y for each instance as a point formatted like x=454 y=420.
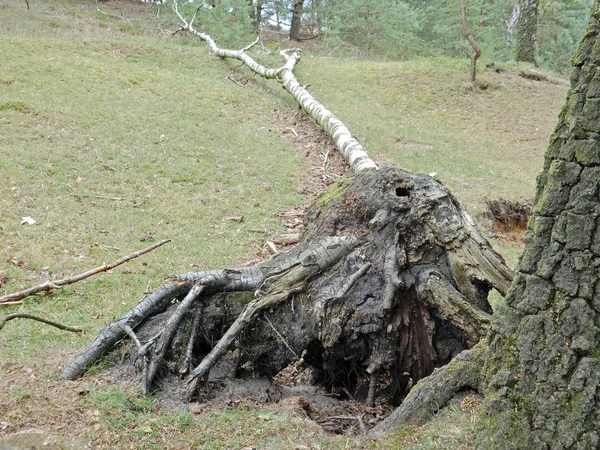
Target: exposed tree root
x=390 y=281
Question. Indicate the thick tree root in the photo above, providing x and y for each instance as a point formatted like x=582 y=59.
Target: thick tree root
x=113 y=333
x=276 y=288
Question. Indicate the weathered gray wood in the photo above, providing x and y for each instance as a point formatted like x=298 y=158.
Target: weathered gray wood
x=380 y=285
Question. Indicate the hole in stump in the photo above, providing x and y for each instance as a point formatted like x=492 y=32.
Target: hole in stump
x=402 y=192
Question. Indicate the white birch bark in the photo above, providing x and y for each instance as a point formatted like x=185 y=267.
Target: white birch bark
x=352 y=151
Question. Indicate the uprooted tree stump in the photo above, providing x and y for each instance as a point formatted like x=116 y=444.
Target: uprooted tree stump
x=391 y=278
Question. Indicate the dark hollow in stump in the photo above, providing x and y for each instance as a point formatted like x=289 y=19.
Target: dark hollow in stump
x=390 y=281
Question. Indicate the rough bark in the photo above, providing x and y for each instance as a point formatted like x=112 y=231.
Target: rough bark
x=526 y=31
x=540 y=366
x=548 y=332
x=391 y=281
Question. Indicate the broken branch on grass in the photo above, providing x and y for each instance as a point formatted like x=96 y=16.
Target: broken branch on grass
x=114 y=16
x=98 y=196
x=286 y=239
x=39 y=319
x=359 y=419
x=51 y=285
x=11 y=303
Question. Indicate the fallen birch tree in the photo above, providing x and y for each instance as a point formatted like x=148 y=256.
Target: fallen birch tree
x=390 y=280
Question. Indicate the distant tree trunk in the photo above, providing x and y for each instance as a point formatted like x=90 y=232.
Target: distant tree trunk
x=318 y=15
x=511 y=23
x=277 y=17
x=526 y=31
x=258 y=19
x=471 y=39
x=296 y=20
x=256 y=13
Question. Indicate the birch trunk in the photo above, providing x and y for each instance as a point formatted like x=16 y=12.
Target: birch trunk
x=352 y=151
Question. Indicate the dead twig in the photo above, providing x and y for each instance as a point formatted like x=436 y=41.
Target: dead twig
x=50 y=285
x=237 y=82
x=114 y=16
x=98 y=196
x=286 y=239
x=39 y=319
x=10 y=303
x=282 y=338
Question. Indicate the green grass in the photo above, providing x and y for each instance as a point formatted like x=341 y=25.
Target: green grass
x=111 y=132
x=452 y=428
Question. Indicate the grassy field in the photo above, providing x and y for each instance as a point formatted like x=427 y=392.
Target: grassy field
x=114 y=136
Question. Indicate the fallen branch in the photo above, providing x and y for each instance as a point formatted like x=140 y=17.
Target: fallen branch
x=286 y=239
x=39 y=319
x=51 y=285
x=114 y=16
x=10 y=303
x=98 y=196
x=359 y=419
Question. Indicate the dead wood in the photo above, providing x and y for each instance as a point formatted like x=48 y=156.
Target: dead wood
x=51 y=285
x=4 y=320
x=390 y=281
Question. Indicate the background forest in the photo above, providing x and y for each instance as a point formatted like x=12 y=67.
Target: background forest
x=396 y=29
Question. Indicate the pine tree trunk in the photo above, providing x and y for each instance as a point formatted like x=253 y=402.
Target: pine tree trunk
x=526 y=31
x=545 y=391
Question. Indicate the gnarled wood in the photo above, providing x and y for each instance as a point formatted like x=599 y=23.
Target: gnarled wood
x=379 y=286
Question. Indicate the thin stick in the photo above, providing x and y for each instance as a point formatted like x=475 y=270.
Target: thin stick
x=127 y=329
x=39 y=319
x=10 y=303
x=187 y=362
x=361 y=424
x=50 y=285
x=282 y=339
x=98 y=196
